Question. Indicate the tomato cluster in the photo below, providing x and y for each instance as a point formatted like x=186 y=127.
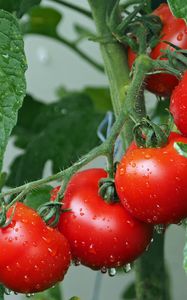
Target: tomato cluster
x=174 y=31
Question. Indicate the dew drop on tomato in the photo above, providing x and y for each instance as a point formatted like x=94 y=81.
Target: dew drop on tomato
x=26 y=278
x=112 y=272
x=180 y=36
x=46 y=240
x=77 y=262
x=127 y=268
x=103 y=270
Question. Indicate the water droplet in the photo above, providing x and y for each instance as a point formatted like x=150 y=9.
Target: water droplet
x=103 y=270
x=112 y=258
x=92 y=249
x=155 y=218
x=147 y=156
x=8 y=291
x=77 y=262
x=52 y=251
x=34 y=244
x=26 y=278
x=121 y=171
x=127 y=268
x=6 y=56
x=112 y=272
x=36 y=267
x=46 y=239
x=8 y=268
x=180 y=36
x=160 y=228
x=29 y=295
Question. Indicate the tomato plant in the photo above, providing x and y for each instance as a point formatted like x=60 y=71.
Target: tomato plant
x=100 y=234
x=151 y=183
x=39 y=254
x=174 y=31
x=178 y=105
x=91 y=122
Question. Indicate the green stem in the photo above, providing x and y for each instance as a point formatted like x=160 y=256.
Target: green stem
x=103 y=149
x=1 y=292
x=75 y=7
x=151 y=276
x=114 y=55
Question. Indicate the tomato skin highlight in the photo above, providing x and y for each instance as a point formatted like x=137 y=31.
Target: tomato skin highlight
x=174 y=31
x=33 y=256
x=100 y=234
x=151 y=183
x=178 y=105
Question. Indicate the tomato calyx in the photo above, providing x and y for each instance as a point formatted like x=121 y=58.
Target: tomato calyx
x=50 y=212
x=107 y=190
x=144 y=30
x=4 y=221
x=150 y=135
x=177 y=59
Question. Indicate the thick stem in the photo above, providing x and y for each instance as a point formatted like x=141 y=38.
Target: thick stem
x=114 y=55
x=150 y=269
x=151 y=276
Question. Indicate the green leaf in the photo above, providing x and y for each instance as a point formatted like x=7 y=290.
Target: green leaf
x=24 y=127
x=12 y=79
x=19 y=6
x=100 y=97
x=181 y=148
x=42 y=20
x=50 y=294
x=178 y=8
x=38 y=197
x=62 y=132
x=130 y=292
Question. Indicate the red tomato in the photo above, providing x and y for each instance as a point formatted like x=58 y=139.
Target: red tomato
x=100 y=234
x=33 y=256
x=151 y=183
x=178 y=105
x=174 y=31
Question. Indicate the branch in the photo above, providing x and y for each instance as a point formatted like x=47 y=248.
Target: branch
x=145 y=64
x=75 y=7
x=83 y=55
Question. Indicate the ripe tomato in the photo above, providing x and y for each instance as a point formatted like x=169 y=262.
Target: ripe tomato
x=100 y=234
x=33 y=256
x=174 y=31
x=151 y=182
x=178 y=105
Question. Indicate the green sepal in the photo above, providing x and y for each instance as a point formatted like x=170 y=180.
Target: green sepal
x=181 y=148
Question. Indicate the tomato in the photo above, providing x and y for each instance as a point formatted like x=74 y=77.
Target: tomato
x=33 y=256
x=151 y=182
x=174 y=31
x=178 y=105
x=100 y=234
